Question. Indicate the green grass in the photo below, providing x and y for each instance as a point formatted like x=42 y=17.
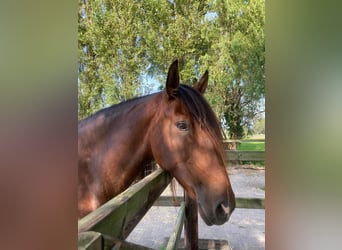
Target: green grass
x=253 y=146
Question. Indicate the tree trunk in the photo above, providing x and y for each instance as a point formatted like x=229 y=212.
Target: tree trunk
x=233 y=114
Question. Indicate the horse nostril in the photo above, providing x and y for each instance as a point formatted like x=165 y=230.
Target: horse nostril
x=225 y=209
x=222 y=211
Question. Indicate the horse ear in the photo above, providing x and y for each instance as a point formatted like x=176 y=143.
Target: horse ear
x=172 y=81
x=202 y=84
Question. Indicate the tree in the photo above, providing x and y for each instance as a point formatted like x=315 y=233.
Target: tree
x=120 y=41
x=111 y=53
x=259 y=126
x=226 y=37
x=237 y=62
x=177 y=30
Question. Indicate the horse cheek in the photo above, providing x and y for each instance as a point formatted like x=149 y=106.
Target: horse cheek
x=160 y=150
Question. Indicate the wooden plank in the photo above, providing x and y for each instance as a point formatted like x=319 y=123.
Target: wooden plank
x=118 y=217
x=177 y=230
x=241 y=202
x=123 y=245
x=253 y=203
x=89 y=241
x=96 y=241
x=245 y=155
x=168 y=201
x=209 y=244
x=190 y=223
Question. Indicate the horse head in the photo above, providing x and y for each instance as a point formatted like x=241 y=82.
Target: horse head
x=187 y=141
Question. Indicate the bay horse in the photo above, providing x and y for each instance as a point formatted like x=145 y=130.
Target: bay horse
x=175 y=127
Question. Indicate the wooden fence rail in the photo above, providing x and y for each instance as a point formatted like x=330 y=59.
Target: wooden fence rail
x=245 y=155
x=108 y=226
x=177 y=230
x=118 y=217
x=241 y=202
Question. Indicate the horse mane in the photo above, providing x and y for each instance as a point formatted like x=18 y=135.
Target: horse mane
x=201 y=112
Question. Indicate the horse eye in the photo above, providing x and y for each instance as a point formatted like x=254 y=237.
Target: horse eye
x=182 y=125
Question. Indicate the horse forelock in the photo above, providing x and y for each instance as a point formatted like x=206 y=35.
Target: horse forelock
x=202 y=113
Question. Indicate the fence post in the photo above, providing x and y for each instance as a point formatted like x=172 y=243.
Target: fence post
x=190 y=223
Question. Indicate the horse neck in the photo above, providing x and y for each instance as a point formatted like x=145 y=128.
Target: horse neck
x=135 y=122
x=133 y=135
x=125 y=127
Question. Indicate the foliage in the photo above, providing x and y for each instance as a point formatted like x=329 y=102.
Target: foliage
x=111 y=52
x=238 y=62
x=122 y=41
x=259 y=126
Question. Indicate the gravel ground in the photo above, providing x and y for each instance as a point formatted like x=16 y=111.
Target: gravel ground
x=245 y=229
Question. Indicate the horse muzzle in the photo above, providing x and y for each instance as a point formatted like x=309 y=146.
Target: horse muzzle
x=216 y=211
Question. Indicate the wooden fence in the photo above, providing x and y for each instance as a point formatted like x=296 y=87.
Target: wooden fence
x=238 y=155
x=108 y=226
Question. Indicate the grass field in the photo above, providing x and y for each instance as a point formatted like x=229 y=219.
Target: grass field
x=255 y=146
